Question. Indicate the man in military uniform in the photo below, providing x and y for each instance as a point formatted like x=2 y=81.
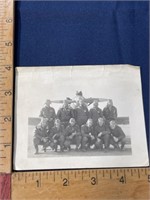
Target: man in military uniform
x=88 y=136
x=65 y=114
x=79 y=96
x=57 y=135
x=82 y=113
x=41 y=136
x=95 y=113
x=72 y=134
x=102 y=134
x=48 y=113
x=110 y=112
x=118 y=135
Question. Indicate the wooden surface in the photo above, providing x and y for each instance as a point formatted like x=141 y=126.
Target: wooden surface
x=82 y=184
x=6 y=83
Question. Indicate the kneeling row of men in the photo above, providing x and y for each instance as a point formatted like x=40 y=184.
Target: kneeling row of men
x=100 y=136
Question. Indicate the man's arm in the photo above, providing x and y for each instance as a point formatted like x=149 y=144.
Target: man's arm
x=37 y=133
x=54 y=114
x=104 y=112
x=63 y=130
x=115 y=113
x=101 y=112
x=67 y=131
x=83 y=131
x=121 y=131
x=72 y=113
x=59 y=114
x=87 y=112
x=41 y=113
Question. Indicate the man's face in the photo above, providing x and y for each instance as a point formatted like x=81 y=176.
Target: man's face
x=44 y=124
x=65 y=105
x=100 y=121
x=72 y=122
x=74 y=105
x=95 y=104
x=109 y=104
x=112 y=124
x=89 y=123
x=48 y=103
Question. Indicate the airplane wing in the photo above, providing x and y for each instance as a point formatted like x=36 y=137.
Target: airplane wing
x=86 y=100
x=56 y=101
x=61 y=101
x=89 y=101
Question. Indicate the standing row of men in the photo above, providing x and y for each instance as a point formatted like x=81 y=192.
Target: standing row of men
x=78 y=125
x=80 y=113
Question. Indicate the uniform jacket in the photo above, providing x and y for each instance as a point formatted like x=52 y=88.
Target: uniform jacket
x=82 y=115
x=101 y=129
x=95 y=113
x=40 y=131
x=57 y=132
x=47 y=112
x=117 y=132
x=85 y=130
x=110 y=114
x=72 y=129
x=65 y=114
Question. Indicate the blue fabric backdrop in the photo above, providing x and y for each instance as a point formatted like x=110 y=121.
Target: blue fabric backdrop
x=78 y=33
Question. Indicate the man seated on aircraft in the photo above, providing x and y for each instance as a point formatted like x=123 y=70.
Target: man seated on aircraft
x=88 y=137
x=65 y=113
x=79 y=96
x=72 y=133
x=118 y=136
x=41 y=136
x=82 y=113
x=57 y=136
x=110 y=112
x=102 y=134
x=95 y=113
x=48 y=113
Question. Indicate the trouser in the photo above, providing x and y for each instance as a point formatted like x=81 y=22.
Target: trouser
x=76 y=138
x=65 y=124
x=105 y=139
x=122 y=141
x=37 y=141
x=87 y=142
x=99 y=144
x=113 y=143
x=60 y=141
x=53 y=145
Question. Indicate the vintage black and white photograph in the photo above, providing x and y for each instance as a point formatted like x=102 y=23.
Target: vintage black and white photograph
x=79 y=125
x=79 y=116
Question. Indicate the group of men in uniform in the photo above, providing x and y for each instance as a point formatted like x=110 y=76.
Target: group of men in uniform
x=85 y=128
